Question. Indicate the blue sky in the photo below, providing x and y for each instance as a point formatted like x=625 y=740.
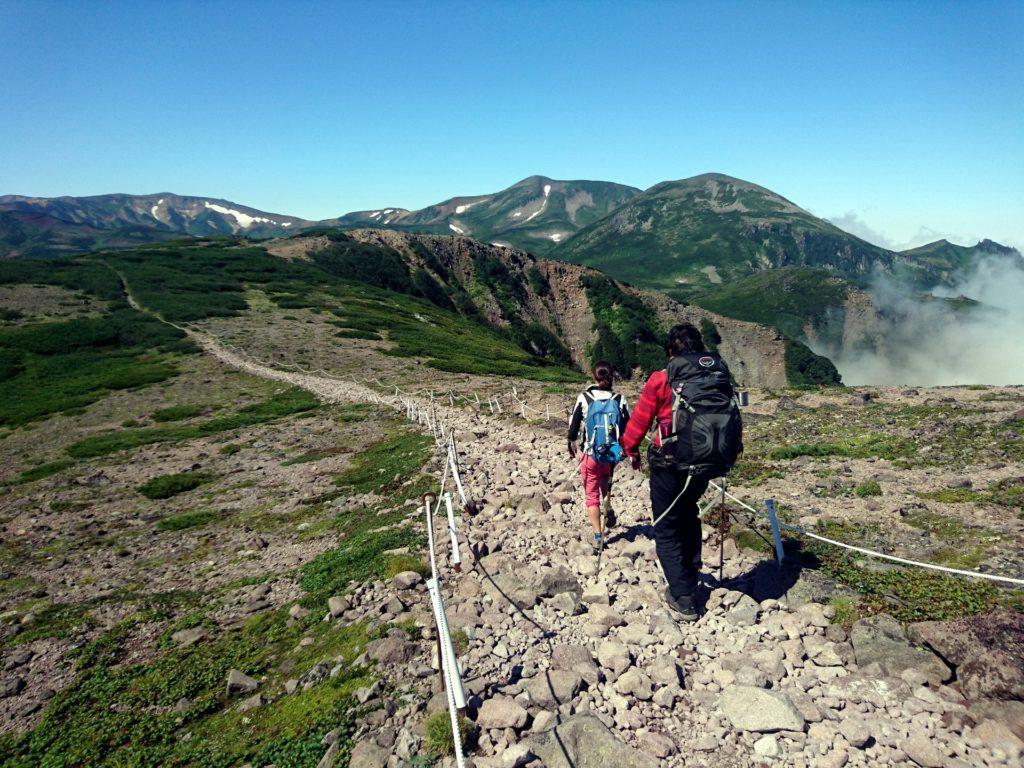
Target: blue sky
x=896 y=117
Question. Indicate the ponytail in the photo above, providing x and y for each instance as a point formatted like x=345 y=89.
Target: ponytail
x=603 y=374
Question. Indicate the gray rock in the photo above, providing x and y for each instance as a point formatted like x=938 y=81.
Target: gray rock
x=665 y=671
x=657 y=744
x=393 y=649
x=855 y=731
x=554 y=687
x=337 y=605
x=881 y=639
x=501 y=712
x=584 y=742
x=605 y=616
x=188 y=637
x=406 y=580
x=633 y=682
x=330 y=757
x=555 y=581
x=251 y=702
x=613 y=657
x=567 y=602
x=576 y=658
x=922 y=751
x=366 y=754
x=767 y=746
x=239 y=682
x=595 y=594
x=517 y=756
x=11 y=686
x=757 y=709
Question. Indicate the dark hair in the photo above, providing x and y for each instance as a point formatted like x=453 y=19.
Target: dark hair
x=603 y=373
x=684 y=338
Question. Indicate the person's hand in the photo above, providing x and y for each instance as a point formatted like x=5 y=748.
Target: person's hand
x=634 y=462
x=739 y=448
x=572 y=451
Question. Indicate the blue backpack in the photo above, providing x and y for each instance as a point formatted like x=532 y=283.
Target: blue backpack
x=604 y=428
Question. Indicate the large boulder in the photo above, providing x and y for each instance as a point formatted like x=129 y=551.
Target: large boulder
x=501 y=712
x=554 y=687
x=396 y=648
x=366 y=754
x=584 y=741
x=576 y=658
x=756 y=709
x=985 y=650
x=882 y=639
x=555 y=581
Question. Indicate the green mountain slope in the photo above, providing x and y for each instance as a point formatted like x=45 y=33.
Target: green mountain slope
x=699 y=232
x=939 y=262
x=786 y=298
x=534 y=215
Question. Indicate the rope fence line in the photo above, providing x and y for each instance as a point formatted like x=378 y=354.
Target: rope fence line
x=872 y=553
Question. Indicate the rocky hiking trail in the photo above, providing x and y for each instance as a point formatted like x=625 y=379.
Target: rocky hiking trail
x=568 y=665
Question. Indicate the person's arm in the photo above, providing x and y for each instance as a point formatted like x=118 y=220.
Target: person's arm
x=574 y=425
x=643 y=416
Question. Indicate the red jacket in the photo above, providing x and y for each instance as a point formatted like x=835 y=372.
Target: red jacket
x=655 y=403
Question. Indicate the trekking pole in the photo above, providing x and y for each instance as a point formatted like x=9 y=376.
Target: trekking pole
x=723 y=525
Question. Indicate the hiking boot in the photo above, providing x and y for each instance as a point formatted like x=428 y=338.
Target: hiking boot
x=610 y=520
x=684 y=607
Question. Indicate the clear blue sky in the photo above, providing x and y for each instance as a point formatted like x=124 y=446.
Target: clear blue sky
x=895 y=116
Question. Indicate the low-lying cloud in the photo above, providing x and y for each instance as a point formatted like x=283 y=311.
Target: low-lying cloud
x=938 y=340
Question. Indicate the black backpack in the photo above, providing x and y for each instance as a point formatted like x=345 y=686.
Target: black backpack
x=705 y=417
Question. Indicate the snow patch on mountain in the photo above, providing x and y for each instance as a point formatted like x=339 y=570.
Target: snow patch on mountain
x=547 y=190
x=517 y=214
x=244 y=220
x=556 y=237
x=456 y=229
x=465 y=207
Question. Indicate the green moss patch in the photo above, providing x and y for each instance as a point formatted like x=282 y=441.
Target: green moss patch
x=166 y=486
x=289 y=402
x=187 y=520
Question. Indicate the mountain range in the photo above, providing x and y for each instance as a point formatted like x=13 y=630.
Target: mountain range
x=713 y=240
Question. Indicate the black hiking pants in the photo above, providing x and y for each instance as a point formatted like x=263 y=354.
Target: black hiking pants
x=677 y=538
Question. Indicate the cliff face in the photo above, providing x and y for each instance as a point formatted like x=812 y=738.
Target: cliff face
x=510 y=288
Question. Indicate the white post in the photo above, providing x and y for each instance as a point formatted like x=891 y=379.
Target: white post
x=456 y=559
x=773 y=518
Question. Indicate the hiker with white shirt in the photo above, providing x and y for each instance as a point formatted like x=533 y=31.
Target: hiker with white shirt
x=602 y=414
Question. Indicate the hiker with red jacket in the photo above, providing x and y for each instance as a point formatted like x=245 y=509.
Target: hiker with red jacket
x=697 y=437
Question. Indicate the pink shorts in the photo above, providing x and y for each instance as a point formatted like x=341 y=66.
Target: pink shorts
x=597 y=479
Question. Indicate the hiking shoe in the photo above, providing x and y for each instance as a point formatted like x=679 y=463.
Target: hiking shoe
x=610 y=520
x=595 y=546
x=684 y=607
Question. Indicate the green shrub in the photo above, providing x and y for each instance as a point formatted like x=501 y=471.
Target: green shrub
x=177 y=413
x=397 y=564
x=186 y=520
x=44 y=470
x=292 y=401
x=845 y=611
x=166 y=486
x=387 y=463
x=437 y=733
x=868 y=488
